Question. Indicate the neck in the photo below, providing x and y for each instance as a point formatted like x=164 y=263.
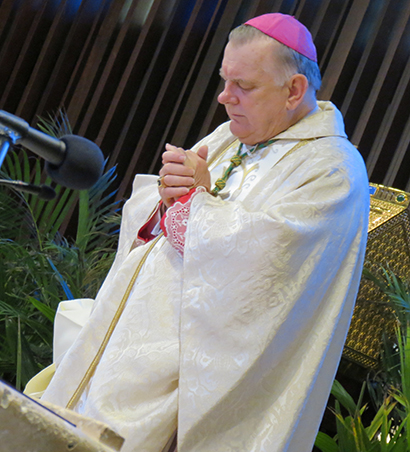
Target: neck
x=301 y=111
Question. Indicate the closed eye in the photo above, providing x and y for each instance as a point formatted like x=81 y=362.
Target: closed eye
x=244 y=85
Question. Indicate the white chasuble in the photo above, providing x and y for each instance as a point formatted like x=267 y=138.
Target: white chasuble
x=235 y=344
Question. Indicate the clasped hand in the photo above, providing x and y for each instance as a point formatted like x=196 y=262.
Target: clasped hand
x=183 y=170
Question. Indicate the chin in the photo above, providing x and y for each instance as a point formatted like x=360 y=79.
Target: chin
x=239 y=132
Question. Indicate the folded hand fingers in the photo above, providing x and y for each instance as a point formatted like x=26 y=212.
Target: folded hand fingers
x=177 y=181
x=169 y=194
x=176 y=169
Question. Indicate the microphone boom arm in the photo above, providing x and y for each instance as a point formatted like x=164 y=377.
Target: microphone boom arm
x=71 y=161
x=46 y=146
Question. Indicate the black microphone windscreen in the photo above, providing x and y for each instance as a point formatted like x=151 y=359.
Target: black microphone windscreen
x=82 y=165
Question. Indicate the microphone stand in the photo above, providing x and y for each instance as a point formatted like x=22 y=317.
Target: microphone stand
x=42 y=191
x=7 y=137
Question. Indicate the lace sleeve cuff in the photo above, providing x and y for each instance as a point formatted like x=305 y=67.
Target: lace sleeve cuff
x=175 y=220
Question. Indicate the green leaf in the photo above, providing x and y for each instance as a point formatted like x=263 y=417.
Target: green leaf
x=48 y=312
x=343 y=397
x=83 y=228
x=18 y=358
x=325 y=443
x=379 y=418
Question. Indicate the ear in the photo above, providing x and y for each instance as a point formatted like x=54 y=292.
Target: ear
x=298 y=86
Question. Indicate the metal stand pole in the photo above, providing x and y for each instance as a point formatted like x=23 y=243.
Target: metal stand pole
x=4 y=147
x=7 y=137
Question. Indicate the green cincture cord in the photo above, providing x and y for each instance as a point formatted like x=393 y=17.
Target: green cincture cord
x=236 y=161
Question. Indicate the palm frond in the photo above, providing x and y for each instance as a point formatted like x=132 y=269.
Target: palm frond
x=56 y=125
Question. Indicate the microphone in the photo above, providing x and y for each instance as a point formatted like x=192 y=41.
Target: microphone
x=71 y=161
x=42 y=191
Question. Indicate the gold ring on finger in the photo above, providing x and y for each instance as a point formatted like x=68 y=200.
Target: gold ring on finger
x=160 y=182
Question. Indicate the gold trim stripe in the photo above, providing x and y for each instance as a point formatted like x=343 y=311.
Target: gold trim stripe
x=90 y=371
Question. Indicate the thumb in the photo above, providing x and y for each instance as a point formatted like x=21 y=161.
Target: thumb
x=203 y=152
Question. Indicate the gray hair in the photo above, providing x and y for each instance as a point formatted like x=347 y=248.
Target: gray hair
x=293 y=62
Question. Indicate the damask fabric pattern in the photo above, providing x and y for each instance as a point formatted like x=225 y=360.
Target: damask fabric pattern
x=239 y=340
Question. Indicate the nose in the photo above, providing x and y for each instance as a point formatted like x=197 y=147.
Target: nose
x=228 y=96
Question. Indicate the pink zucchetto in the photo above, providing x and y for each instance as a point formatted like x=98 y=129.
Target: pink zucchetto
x=287 y=30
